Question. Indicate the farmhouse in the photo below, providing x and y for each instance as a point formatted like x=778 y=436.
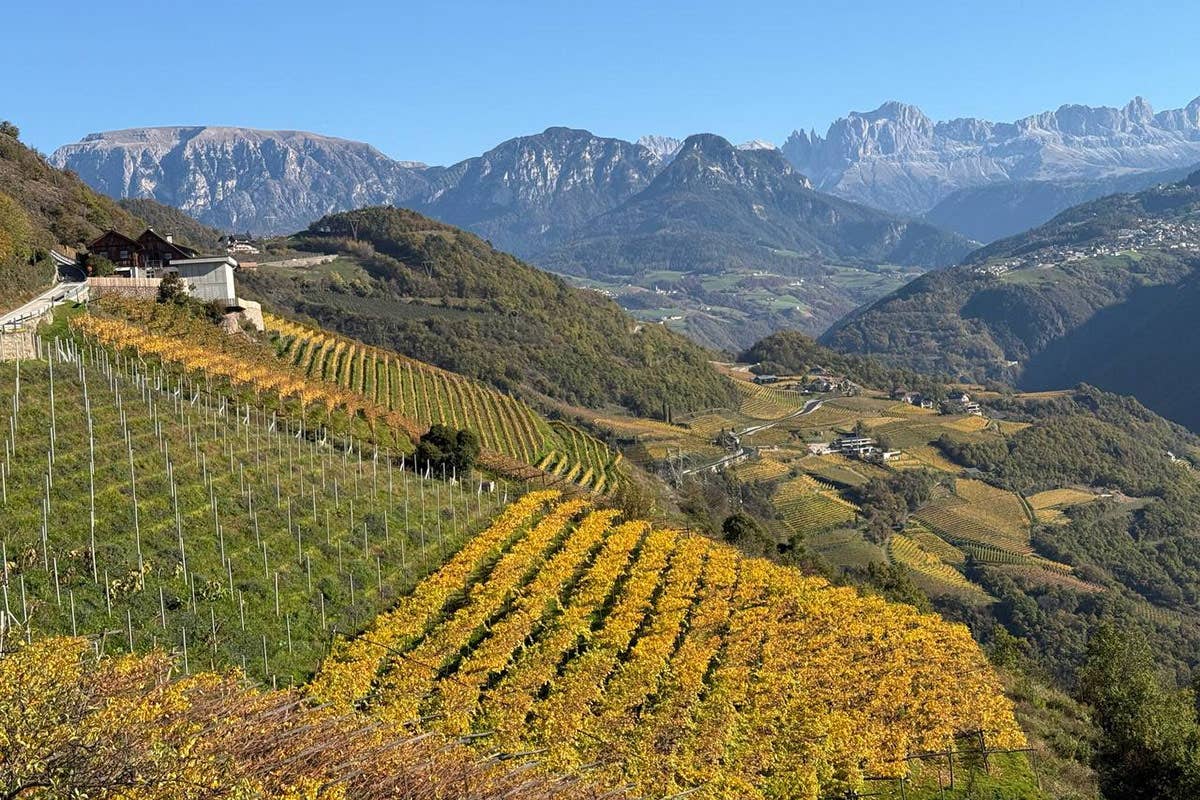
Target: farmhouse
x=143 y=257
x=763 y=380
x=141 y=264
x=854 y=445
x=959 y=402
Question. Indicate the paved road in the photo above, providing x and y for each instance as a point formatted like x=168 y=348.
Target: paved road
x=809 y=407
x=35 y=308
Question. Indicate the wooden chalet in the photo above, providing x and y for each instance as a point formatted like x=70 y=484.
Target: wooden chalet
x=143 y=257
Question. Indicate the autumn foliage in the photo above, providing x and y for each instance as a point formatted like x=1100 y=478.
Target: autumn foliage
x=666 y=661
x=73 y=725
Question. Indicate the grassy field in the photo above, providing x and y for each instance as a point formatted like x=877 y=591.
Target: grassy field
x=146 y=509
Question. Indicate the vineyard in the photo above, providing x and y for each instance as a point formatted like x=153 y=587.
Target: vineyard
x=142 y=508
x=837 y=469
x=582 y=459
x=1049 y=506
x=429 y=395
x=665 y=662
x=983 y=515
x=807 y=505
x=763 y=402
x=761 y=469
x=945 y=578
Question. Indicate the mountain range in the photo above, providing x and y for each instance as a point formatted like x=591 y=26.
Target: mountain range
x=564 y=199
x=719 y=222
x=1105 y=293
x=898 y=159
x=982 y=179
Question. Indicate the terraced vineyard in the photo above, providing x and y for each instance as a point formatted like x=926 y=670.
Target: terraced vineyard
x=761 y=469
x=807 y=505
x=429 y=395
x=582 y=459
x=764 y=402
x=143 y=508
x=418 y=391
x=659 y=660
x=941 y=578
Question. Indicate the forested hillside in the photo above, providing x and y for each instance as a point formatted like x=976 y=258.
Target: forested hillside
x=166 y=219
x=1104 y=293
x=438 y=294
x=41 y=207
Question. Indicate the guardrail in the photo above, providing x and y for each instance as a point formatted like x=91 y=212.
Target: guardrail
x=73 y=293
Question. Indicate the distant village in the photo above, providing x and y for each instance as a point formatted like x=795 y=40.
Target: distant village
x=818 y=382
x=1150 y=234
x=861 y=447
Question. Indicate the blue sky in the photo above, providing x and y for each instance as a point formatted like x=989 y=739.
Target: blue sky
x=438 y=82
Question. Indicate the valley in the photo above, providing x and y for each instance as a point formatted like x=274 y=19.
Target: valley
x=591 y=467
x=1089 y=297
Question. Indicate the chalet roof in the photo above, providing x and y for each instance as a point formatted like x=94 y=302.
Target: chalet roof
x=114 y=236
x=151 y=235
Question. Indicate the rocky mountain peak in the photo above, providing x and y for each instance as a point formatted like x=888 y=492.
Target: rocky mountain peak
x=665 y=147
x=757 y=144
x=706 y=159
x=898 y=159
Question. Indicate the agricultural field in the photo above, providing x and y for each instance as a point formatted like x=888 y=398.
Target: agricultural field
x=429 y=395
x=145 y=508
x=418 y=391
x=765 y=402
x=1049 y=506
x=581 y=459
x=935 y=575
x=761 y=469
x=970 y=518
x=807 y=505
x=644 y=657
x=839 y=470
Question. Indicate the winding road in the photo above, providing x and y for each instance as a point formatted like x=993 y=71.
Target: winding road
x=714 y=466
x=71 y=285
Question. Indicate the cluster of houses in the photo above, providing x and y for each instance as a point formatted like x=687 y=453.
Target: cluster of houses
x=914 y=399
x=813 y=383
x=140 y=265
x=1146 y=234
x=240 y=245
x=863 y=448
x=956 y=402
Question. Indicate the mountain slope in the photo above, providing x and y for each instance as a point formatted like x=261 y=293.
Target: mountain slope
x=1103 y=293
x=719 y=210
x=42 y=207
x=995 y=211
x=897 y=158
x=444 y=296
x=531 y=191
x=166 y=219
x=238 y=178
